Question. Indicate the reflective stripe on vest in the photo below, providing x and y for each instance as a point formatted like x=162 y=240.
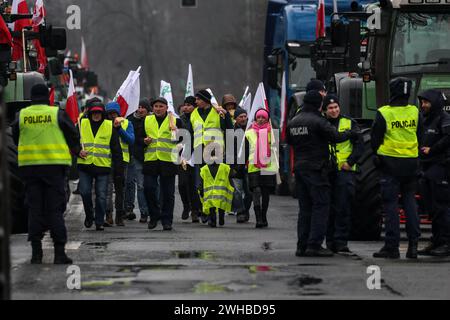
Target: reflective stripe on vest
x=252 y=140
x=217 y=192
x=162 y=148
x=98 y=147
x=400 y=139
x=206 y=131
x=344 y=149
x=124 y=145
x=41 y=141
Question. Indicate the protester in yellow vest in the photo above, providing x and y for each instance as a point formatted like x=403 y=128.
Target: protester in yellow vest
x=216 y=191
x=347 y=154
x=161 y=161
x=104 y=156
x=46 y=137
x=126 y=134
x=262 y=166
x=395 y=137
x=207 y=125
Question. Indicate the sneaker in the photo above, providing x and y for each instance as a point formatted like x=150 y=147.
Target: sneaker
x=320 y=252
x=99 y=228
x=167 y=227
x=441 y=251
x=342 y=248
x=185 y=214
x=107 y=224
x=143 y=219
x=427 y=250
x=152 y=224
x=131 y=216
x=204 y=218
x=241 y=218
x=194 y=217
x=387 y=253
x=88 y=223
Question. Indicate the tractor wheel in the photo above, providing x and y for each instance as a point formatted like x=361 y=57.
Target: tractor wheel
x=367 y=212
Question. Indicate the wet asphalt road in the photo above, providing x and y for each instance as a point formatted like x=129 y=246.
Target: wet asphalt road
x=195 y=262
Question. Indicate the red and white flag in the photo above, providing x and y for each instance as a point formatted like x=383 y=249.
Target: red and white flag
x=39 y=13
x=129 y=94
x=67 y=59
x=320 y=25
x=19 y=7
x=72 y=101
x=84 y=57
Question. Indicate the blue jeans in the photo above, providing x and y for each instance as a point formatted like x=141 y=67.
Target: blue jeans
x=242 y=198
x=342 y=196
x=101 y=188
x=135 y=177
x=391 y=187
x=160 y=197
x=313 y=189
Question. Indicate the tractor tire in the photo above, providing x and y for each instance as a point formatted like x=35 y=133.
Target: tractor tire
x=367 y=215
x=19 y=211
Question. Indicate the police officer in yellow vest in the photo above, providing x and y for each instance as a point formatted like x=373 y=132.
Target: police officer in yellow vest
x=126 y=134
x=160 y=164
x=342 y=180
x=207 y=125
x=46 y=137
x=104 y=155
x=396 y=134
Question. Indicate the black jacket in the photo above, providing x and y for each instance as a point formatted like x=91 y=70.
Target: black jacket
x=116 y=154
x=310 y=134
x=357 y=140
x=72 y=139
x=156 y=168
x=436 y=130
x=137 y=149
x=239 y=170
x=399 y=167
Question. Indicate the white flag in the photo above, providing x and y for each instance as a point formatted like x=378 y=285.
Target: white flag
x=241 y=103
x=213 y=98
x=260 y=102
x=247 y=105
x=190 y=84
x=166 y=93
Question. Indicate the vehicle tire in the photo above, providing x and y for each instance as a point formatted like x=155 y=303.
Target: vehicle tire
x=367 y=215
x=19 y=212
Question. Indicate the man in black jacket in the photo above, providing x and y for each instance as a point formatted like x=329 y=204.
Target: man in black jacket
x=310 y=134
x=135 y=176
x=43 y=169
x=347 y=154
x=396 y=135
x=434 y=160
x=94 y=130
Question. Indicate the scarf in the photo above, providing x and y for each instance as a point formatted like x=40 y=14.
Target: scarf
x=262 y=141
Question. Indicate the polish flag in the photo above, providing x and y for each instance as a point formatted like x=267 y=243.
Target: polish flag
x=5 y=35
x=84 y=57
x=67 y=59
x=129 y=94
x=19 y=7
x=320 y=26
x=72 y=101
x=241 y=103
x=39 y=15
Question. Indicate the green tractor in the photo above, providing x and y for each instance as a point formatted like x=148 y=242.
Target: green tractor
x=363 y=52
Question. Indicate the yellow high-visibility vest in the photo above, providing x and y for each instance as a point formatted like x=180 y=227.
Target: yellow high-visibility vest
x=41 y=141
x=98 y=147
x=344 y=149
x=400 y=139
x=252 y=140
x=162 y=148
x=217 y=192
x=207 y=131
x=124 y=145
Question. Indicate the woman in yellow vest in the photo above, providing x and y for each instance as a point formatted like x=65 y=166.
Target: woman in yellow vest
x=342 y=180
x=262 y=166
x=216 y=188
x=161 y=161
x=104 y=152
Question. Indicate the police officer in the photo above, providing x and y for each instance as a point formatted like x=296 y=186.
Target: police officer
x=45 y=136
x=434 y=160
x=395 y=140
x=347 y=154
x=314 y=84
x=310 y=134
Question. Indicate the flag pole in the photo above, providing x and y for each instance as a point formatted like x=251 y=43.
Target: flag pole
x=24 y=51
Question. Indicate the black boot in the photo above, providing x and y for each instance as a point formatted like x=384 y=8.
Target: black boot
x=240 y=217
x=247 y=215
x=264 y=218
x=212 y=221
x=221 y=218
x=412 y=250
x=387 y=253
x=258 y=215
x=37 y=254
x=60 y=254
x=194 y=216
x=119 y=219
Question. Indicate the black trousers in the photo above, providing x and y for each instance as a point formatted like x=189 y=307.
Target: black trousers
x=46 y=200
x=187 y=190
x=160 y=195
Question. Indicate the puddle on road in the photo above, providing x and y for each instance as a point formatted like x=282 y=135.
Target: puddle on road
x=203 y=255
x=137 y=269
x=256 y=269
x=97 y=245
x=207 y=287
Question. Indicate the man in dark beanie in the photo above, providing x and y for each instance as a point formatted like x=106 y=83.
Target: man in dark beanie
x=135 y=176
x=396 y=133
x=311 y=134
x=207 y=125
x=313 y=85
x=45 y=137
x=346 y=154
